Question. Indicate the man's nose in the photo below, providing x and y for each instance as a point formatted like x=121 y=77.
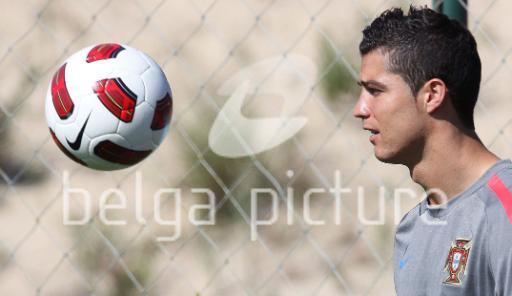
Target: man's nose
x=361 y=109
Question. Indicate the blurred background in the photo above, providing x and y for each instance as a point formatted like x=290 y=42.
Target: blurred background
x=200 y=44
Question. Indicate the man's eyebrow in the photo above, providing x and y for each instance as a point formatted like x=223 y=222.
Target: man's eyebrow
x=371 y=84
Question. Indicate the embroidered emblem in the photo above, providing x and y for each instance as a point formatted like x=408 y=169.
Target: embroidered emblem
x=456 y=261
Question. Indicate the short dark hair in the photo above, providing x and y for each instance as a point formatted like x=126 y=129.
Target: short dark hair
x=425 y=44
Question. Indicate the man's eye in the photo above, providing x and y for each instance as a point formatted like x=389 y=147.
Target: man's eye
x=374 y=91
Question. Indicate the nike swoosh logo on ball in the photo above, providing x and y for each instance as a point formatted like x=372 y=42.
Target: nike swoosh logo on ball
x=76 y=144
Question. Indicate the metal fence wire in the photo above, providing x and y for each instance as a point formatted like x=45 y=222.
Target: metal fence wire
x=337 y=246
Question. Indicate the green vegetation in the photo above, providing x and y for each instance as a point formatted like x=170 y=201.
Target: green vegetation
x=99 y=263
x=336 y=78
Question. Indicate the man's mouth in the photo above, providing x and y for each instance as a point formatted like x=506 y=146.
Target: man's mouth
x=371 y=130
x=374 y=134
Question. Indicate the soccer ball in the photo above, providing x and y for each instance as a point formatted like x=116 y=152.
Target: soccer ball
x=108 y=106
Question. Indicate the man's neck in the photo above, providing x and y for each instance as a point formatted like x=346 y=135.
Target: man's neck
x=448 y=169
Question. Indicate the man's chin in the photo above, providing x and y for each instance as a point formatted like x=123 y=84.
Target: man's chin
x=395 y=158
x=383 y=159
x=387 y=157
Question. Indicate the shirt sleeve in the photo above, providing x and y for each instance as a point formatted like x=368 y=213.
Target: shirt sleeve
x=499 y=239
x=500 y=255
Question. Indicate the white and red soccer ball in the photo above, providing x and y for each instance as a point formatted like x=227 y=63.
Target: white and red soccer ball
x=108 y=106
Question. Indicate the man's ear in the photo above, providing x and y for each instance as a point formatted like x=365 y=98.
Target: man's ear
x=433 y=94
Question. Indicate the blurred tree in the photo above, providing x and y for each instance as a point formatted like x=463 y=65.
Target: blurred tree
x=337 y=78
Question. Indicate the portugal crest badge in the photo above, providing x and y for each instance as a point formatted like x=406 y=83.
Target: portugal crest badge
x=457 y=260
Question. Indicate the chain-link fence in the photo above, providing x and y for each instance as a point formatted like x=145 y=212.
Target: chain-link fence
x=200 y=45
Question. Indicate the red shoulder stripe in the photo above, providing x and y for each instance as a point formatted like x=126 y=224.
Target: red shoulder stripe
x=503 y=194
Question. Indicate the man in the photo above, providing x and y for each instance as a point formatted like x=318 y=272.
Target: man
x=420 y=77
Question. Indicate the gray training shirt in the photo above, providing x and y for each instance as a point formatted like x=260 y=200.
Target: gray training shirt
x=463 y=247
